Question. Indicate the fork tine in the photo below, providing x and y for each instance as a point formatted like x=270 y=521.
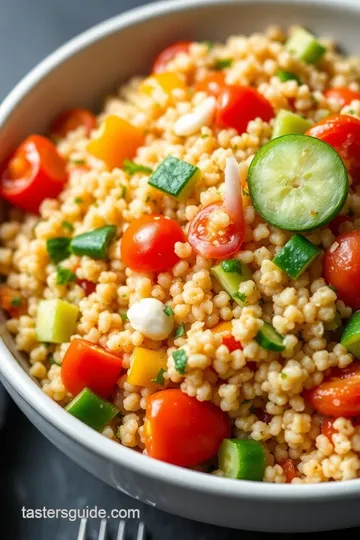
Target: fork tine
x=141 y=531
x=82 y=530
x=121 y=530
x=102 y=530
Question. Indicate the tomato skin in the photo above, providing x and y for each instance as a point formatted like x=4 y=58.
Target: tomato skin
x=88 y=365
x=327 y=428
x=148 y=243
x=212 y=84
x=163 y=58
x=343 y=95
x=73 y=119
x=87 y=286
x=7 y=295
x=342 y=132
x=238 y=105
x=339 y=394
x=34 y=172
x=342 y=268
x=289 y=470
x=182 y=430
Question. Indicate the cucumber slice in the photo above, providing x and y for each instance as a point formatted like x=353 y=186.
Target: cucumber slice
x=305 y=46
x=351 y=335
x=175 y=177
x=288 y=76
x=297 y=254
x=268 y=338
x=230 y=274
x=56 y=321
x=242 y=459
x=297 y=182
x=286 y=122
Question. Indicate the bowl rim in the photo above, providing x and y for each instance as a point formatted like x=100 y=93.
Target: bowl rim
x=33 y=395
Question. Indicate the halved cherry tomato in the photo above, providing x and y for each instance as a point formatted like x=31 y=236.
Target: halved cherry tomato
x=342 y=132
x=238 y=105
x=35 y=171
x=213 y=84
x=91 y=366
x=73 y=119
x=224 y=328
x=339 y=394
x=336 y=223
x=87 y=286
x=289 y=470
x=343 y=95
x=342 y=267
x=162 y=60
x=12 y=302
x=327 y=427
x=182 y=430
x=148 y=243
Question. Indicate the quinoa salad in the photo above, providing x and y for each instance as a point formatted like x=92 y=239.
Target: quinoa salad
x=182 y=270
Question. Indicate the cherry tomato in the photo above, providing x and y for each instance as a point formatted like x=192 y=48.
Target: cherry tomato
x=339 y=394
x=162 y=60
x=327 y=427
x=88 y=286
x=182 y=430
x=343 y=95
x=12 y=302
x=73 y=119
x=148 y=243
x=36 y=171
x=342 y=132
x=289 y=470
x=342 y=267
x=224 y=328
x=213 y=84
x=214 y=246
x=336 y=223
x=238 y=105
x=91 y=366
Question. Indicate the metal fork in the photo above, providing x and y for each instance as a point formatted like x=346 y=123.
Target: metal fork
x=102 y=531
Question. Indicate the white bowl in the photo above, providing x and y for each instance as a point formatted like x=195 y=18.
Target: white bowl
x=79 y=74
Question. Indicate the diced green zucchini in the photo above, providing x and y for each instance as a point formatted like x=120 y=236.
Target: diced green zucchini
x=94 y=243
x=295 y=257
x=268 y=338
x=287 y=122
x=92 y=410
x=305 y=46
x=288 y=76
x=351 y=335
x=244 y=459
x=175 y=177
x=56 y=321
x=230 y=274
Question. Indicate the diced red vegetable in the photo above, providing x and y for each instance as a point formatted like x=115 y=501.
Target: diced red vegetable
x=162 y=60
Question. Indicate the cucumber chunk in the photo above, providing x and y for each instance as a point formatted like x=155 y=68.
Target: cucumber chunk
x=286 y=122
x=305 y=46
x=297 y=182
x=297 y=254
x=351 y=335
x=230 y=274
x=92 y=410
x=175 y=178
x=268 y=338
x=94 y=243
x=55 y=321
x=243 y=459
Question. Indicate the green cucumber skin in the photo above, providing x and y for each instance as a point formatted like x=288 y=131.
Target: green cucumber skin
x=296 y=256
x=289 y=123
x=250 y=459
x=275 y=221
x=268 y=338
x=230 y=281
x=173 y=176
x=351 y=335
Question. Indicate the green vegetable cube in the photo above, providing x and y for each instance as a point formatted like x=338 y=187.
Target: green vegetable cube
x=175 y=178
x=230 y=274
x=92 y=410
x=56 y=321
x=295 y=257
x=305 y=46
x=286 y=123
x=94 y=243
x=351 y=336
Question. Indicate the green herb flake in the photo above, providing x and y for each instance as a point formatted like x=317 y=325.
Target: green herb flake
x=223 y=63
x=124 y=317
x=52 y=361
x=208 y=43
x=232 y=265
x=64 y=276
x=204 y=136
x=180 y=331
x=159 y=379
x=123 y=192
x=180 y=359
x=240 y=296
x=245 y=193
x=351 y=111
x=283 y=375
x=131 y=168
x=58 y=248
x=78 y=200
x=16 y=301
x=168 y=311
x=78 y=161
x=68 y=226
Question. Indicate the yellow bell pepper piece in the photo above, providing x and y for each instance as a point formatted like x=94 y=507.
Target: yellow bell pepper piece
x=145 y=366
x=115 y=141
x=163 y=83
x=224 y=327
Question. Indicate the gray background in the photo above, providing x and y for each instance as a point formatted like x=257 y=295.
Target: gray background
x=33 y=473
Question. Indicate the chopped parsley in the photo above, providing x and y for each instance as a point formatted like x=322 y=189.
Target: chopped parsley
x=180 y=331
x=64 y=276
x=351 y=111
x=244 y=192
x=124 y=316
x=16 y=301
x=168 y=311
x=180 y=359
x=131 y=168
x=67 y=225
x=232 y=265
x=78 y=161
x=52 y=361
x=123 y=192
x=223 y=63
x=159 y=379
x=204 y=136
x=240 y=296
x=283 y=375
x=78 y=200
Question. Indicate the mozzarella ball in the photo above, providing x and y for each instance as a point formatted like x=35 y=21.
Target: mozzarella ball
x=148 y=317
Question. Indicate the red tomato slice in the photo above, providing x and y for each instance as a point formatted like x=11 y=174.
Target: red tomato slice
x=35 y=172
x=339 y=394
x=213 y=84
x=91 y=366
x=148 y=243
x=162 y=60
x=342 y=267
x=73 y=119
x=238 y=105
x=343 y=95
x=342 y=132
x=289 y=470
x=182 y=430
